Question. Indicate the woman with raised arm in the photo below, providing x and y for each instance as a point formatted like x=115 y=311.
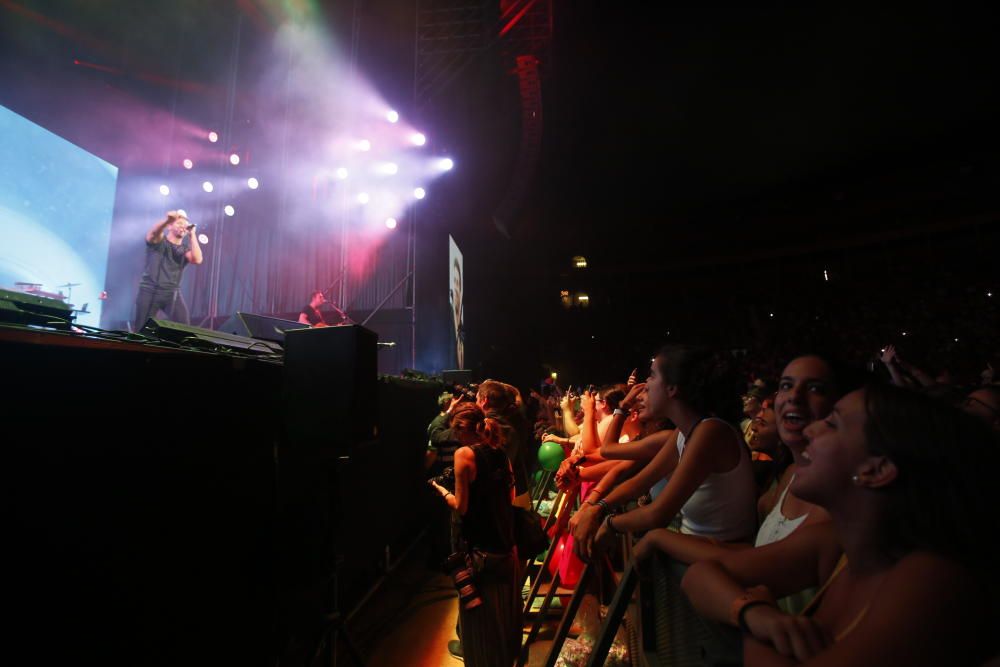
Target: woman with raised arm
x=904 y=574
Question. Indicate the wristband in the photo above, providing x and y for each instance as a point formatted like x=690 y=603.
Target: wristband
x=603 y=504
x=612 y=526
x=750 y=598
x=619 y=411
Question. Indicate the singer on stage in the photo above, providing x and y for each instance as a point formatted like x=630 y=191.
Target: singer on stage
x=170 y=246
x=312 y=316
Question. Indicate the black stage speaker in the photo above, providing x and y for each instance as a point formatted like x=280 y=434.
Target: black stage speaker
x=23 y=308
x=331 y=374
x=463 y=376
x=263 y=327
x=188 y=335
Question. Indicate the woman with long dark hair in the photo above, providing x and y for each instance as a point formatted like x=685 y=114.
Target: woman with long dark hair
x=712 y=487
x=902 y=565
x=485 y=558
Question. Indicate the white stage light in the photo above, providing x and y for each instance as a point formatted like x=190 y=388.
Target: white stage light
x=234 y=159
x=188 y=163
x=446 y=164
x=164 y=190
x=364 y=145
x=229 y=210
x=207 y=186
x=253 y=183
x=341 y=173
x=390 y=223
x=392 y=116
x=418 y=139
x=213 y=137
x=363 y=198
x=202 y=239
x=419 y=193
x=387 y=169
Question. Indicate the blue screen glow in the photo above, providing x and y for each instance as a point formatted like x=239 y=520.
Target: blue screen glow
x=56 y=205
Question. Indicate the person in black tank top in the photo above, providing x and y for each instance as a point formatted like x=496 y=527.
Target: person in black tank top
x=484 y=485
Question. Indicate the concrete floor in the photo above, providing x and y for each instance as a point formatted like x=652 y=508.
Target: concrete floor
x=414 y=617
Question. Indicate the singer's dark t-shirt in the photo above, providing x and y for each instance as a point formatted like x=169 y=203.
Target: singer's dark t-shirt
x=165 y=263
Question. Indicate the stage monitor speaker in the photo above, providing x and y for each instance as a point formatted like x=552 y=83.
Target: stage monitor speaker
x=188 y=335
x=457 y=376
x=263 y=327
x=23 y=308
x=331 y=375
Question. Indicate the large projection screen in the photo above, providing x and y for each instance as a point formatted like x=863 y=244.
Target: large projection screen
x=56 y=205
x=455 y=300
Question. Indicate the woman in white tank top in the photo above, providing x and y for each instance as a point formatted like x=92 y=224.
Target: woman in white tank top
x=712 y=486
x=807 y=391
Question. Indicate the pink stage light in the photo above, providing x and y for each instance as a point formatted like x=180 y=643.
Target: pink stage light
x=213 y=137
x=234 y=159
x=188 y=164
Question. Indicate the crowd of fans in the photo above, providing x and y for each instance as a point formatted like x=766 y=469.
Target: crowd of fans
x=836 y=512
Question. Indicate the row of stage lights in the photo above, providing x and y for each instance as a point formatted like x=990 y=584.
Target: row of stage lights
x=385 y=169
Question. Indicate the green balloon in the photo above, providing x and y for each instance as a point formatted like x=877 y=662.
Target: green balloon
x=550 y=455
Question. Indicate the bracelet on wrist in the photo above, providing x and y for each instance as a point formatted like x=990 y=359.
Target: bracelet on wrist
x=619 y=411
x=758 y=595
x=611 y=525
x=603 y=504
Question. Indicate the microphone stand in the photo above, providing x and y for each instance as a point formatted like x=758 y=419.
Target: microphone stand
x=345 y=318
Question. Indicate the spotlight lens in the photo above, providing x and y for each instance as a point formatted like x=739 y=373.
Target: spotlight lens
x=419 y=193
x=418 y=139
x=447 y=164
x=164 y=190
x=234 y=159
x=253 y=183
x=364 y=145
x=390 y=223
x=230 y=211
x=213 y=137
x=363 y=198
x=188 y=163
x=207 y=186
x=341 y=173
x=392 y=116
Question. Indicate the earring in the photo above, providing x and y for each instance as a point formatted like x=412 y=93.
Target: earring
x=856 y=480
